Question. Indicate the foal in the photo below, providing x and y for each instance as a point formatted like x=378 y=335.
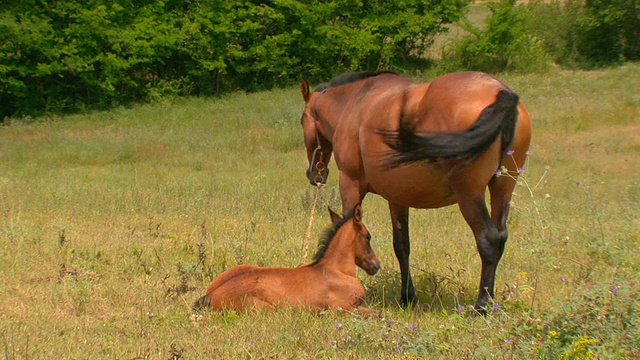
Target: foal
x=328 y=283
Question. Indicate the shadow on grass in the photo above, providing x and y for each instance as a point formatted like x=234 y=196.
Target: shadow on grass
x=436 y=293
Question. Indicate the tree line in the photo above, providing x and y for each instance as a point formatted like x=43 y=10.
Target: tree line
x=71 y=55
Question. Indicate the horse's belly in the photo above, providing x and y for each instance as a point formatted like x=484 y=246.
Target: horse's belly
x=421 y=186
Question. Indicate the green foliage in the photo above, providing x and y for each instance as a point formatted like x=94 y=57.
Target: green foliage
x=587 y=34
x=525 y=37
x=554 y=22
x=609 y=31
x=503 y=45
x=70 y=55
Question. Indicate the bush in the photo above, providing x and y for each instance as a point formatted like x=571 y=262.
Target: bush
x=572 y=33
x=554 y=22
x=587 y=34
x=609 y=31
x=504 y=44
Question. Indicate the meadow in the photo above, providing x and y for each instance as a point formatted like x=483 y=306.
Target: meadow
x=113 y=223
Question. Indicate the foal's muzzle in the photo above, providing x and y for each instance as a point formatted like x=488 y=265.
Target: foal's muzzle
x=373 y=269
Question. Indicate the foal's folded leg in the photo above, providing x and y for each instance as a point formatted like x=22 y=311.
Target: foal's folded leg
x=368 y=313
x=361 y=311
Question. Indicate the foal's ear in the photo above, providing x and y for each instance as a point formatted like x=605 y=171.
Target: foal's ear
x=357 y=213
x=304 y=89
x=335 y=218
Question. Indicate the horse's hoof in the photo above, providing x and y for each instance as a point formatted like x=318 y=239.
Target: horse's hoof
x=480 y=310
x=409 y=302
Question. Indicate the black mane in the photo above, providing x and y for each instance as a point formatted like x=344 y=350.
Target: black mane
x=327 y=236
x=349 y=77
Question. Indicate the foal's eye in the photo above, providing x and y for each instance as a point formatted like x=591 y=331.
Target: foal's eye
x=369 y=237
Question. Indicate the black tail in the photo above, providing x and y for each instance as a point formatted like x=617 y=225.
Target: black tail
x=201 y=303
x=499 y=117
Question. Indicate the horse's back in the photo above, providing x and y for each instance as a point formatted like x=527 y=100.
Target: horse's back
x=462 y=96
x=469 y=94
x=450 y=103
x=454 y=101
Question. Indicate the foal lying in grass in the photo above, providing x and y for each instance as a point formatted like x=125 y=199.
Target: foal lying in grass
x=328 y=283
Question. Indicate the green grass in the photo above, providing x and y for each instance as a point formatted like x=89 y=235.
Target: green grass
x=113 y=223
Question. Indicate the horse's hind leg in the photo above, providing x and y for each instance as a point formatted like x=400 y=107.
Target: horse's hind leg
x=489 y=241
x=402 y=249
x=500 y=189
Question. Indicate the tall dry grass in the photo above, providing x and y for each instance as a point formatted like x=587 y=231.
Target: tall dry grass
x=114 y=223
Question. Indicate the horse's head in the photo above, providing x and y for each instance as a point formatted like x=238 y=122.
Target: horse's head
x=365 y=257
x=319 y=149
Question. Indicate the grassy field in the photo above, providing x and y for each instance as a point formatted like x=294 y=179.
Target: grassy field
x=113 y=223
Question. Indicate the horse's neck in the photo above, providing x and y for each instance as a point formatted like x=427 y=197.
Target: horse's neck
x=339 y=256
x=329 y=112
x=327 y=127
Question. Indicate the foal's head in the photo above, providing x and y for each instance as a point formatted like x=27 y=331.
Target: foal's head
x=352 y=229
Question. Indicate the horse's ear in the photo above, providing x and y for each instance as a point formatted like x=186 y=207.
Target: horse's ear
x=357 y=213
x=335 y=218
x=304 y=88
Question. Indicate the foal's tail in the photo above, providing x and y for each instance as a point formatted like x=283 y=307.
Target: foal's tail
x=201 y=303
x=499 y=117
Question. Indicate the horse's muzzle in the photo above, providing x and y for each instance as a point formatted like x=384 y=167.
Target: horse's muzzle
x=316 y=178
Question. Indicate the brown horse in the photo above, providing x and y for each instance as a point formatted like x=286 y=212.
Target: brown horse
x=328 y=283
x=422 y=146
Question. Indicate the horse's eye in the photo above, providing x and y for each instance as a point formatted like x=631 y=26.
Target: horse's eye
x=369 y=237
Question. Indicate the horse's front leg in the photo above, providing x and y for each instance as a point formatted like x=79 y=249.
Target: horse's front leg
x=352 y=192
x=402 y=249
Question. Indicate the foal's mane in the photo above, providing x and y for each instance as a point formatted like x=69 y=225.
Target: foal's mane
x=349 y=77
x=327 y=236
